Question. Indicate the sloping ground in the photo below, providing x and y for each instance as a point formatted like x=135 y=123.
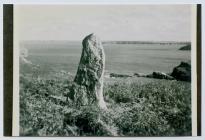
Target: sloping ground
x=159 y=108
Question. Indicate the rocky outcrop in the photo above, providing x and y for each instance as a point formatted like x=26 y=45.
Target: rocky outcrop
x=162 y=75
x=156 y=75
x=140 y=74
x=115 y=75
x=23 y=56
x=88 y=83
x=182 y=72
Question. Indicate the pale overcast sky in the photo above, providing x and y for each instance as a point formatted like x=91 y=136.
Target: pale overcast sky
x=109 y=22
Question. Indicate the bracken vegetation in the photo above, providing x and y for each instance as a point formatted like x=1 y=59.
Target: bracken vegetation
x=161 y=108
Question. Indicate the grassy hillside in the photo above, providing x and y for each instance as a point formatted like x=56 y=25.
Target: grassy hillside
x=159 y=108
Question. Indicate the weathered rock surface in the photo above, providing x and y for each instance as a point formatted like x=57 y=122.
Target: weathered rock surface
x=23 y=56
x=162 y=75
x=182 y=72
x=155 y=74
x=88 y=83
x=115 y=75
x=140 y=74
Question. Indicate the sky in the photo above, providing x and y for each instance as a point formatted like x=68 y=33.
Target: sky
x=108 y=22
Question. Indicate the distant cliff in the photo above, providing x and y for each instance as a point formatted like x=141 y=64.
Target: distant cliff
x=185 y=48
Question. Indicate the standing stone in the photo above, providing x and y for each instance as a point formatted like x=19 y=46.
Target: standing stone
x=88 y=83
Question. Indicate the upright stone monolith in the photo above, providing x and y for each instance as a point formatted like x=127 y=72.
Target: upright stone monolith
x=88 y=83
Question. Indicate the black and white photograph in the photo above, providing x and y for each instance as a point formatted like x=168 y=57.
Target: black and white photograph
x=104 y=70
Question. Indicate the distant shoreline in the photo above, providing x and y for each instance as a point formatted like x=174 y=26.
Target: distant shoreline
x=146 y=42
x=105 y=42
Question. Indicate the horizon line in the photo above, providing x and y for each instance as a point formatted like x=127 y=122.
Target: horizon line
x=171 y=41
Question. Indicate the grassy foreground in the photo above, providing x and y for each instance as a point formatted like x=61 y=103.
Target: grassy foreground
x=161 y=108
